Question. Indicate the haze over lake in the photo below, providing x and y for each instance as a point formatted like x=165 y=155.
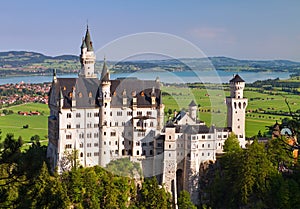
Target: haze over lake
x=166 y=77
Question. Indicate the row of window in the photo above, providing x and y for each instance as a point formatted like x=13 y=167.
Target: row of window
x=89 y=125
x=88 y=145
x=139 y=124
x=81 y=135
x=145 y=144
x=129 y=152
x=208 y=137
x=78 y=115
x=119 y=113
x=89 y=154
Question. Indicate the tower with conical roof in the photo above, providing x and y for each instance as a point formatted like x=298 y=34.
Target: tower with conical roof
x=236 y=108
x=87 y=57
x=193 y=110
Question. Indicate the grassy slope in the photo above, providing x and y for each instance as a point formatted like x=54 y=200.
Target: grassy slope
x=14 y=123
x=180 y=98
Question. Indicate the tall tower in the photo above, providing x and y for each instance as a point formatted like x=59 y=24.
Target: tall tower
x=87 y=57
x=236 y=108
x=105 y=116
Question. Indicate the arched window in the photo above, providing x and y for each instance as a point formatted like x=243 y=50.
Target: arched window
x=240 y=105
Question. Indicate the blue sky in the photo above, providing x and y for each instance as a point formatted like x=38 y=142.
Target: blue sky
x=265 y=29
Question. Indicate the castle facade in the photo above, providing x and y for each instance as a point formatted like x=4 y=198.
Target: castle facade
x=105 y=120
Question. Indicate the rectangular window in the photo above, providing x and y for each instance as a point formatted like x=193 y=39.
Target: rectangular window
x=81 y=145
x=69 y=115
x=78 y=115
x=139 y=113
x=203 y=136
x=88 y=145
x=89 y=154
x=96 y=135
x=96 y=154
x=149 y=113
x=209 y=136
x=112 y=133
x=96 y=144
x=129 y=113
x=89 y=125
x=77 y=125
x=96 y=125
x=119 y=113
x=68 y=136
x=68 y=146
x=96 y=114
x=89 y=114
x=68 y=126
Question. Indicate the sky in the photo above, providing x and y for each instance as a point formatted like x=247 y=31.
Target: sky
x=257 y=29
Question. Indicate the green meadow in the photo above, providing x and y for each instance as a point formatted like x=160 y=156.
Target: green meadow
x=264 y=109
x=37 y=124
x=210 y=101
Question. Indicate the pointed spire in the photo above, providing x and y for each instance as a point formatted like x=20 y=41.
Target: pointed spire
x=236 y=78
x=105 y=72
x=83 y=45
x=192 y=104
x=88 y=40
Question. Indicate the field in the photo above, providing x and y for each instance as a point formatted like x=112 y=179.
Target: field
x=37 y=124
x=210 y=100
x=264 y=109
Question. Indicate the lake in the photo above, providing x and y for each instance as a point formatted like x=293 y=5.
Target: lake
x=217 y=76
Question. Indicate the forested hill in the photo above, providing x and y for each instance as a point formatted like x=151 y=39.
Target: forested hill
x=225 y=63
x=24 y=62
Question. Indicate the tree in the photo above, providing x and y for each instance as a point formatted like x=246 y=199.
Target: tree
x=69 y=160
x=184 y=201
x=153 y=196
x=232 y=144
x=43 y=191
x=124 y=167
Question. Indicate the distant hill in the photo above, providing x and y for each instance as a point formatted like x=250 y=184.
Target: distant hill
x=27 y=63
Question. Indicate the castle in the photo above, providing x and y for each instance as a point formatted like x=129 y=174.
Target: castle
x=105 y=120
